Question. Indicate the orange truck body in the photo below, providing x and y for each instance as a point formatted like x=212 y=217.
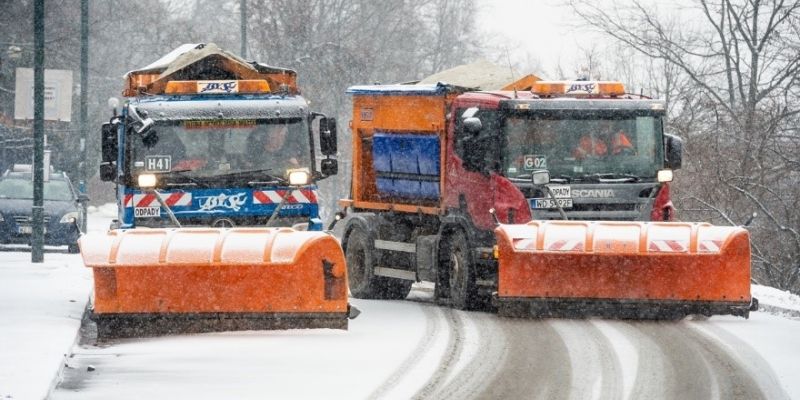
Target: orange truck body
x=409 y=114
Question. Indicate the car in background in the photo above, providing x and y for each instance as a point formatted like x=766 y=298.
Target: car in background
x=62 y=211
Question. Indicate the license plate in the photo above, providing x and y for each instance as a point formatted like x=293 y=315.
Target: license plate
x=560 y=191
x=551 y=203
x=158 y=163
x=27 y=230
x=147 y=212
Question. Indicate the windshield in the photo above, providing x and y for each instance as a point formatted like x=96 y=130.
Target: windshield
x=219 y=148
x=579 y=148
x=13 y=188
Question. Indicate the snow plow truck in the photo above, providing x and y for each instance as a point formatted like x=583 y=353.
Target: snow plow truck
x=214 y=161
x=490 y=195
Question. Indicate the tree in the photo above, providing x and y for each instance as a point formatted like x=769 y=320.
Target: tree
x=736 y=65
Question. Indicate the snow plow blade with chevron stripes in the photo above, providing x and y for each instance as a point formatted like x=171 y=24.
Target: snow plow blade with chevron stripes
x=638 y=270
x=181 y=280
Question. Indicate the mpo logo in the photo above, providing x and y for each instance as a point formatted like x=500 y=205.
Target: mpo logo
x=216 y=87
x=222 y=200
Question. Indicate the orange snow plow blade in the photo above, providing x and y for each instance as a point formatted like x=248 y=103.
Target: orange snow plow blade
x=659 y=270
x=157 y=281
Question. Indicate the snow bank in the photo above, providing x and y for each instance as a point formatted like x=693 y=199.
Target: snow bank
x=42 y=309
x=769 y=296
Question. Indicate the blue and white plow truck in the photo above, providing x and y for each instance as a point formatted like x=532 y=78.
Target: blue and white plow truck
x=209 y=139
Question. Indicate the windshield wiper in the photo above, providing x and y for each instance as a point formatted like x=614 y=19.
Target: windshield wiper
x=181 y=173
x=561 y=179
x=262 y=172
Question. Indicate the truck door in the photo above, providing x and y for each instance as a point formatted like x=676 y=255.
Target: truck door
x=475 y=156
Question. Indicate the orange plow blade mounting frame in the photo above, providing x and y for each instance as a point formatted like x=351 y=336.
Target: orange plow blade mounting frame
x=622 y=269
x=156 y=281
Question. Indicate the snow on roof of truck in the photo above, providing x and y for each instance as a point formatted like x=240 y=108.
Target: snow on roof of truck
x=480 y=75
x=162 y=63
x=435 y=89
x=200 y=61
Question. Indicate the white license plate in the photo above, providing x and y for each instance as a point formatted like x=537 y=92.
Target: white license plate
x=551 y=203
x=27 y=230
x=560 y=191
x=147 y=212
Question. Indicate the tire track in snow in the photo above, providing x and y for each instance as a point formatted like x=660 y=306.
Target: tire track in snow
x=596 y=368
x=484 y=364
x=453 y=350
x=536 y=366
x=747 y=357
x=735 y=379
x=653 y=370
x=432 y=327
x=690 y=366
x=626 y=353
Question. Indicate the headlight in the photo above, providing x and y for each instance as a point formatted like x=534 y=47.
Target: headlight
x=147 y=181
x=2 y=218
x=665 y=175
x=69 y=217
x=298 y=177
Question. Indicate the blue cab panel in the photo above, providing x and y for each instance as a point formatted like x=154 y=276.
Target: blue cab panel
x=406 y=165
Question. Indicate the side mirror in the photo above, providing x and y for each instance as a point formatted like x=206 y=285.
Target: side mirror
x=540 y=177
x=144 y=122
x=674 y=148
x=472 y=125
x=327 y=136
x=147 y=124
x=108 y=158
x=329 y=167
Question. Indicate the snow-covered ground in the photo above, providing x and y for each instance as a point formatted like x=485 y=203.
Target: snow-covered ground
x=42 y=305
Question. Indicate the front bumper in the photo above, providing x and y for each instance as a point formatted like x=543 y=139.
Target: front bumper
x=56 y=234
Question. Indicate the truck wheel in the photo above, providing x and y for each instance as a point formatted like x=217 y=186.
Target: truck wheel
x=463 y=291
x=360 y=264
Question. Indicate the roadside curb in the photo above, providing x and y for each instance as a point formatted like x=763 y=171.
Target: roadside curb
x=65 y=359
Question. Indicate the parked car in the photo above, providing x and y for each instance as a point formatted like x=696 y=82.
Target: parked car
x=62 y=213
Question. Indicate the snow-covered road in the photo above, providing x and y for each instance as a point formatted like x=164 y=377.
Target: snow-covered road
x=394 y=349
x=415 y=349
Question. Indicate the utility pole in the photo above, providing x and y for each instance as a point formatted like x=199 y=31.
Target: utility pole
x=243 y=15
x=37 y=234
x=84 y=105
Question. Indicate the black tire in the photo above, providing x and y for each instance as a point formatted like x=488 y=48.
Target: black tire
x=360 y=257
x=461 y=272
x=360 y=265
x=441 y=290
x=73 y=248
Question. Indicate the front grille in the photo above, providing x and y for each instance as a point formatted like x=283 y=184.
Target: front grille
x=27 y=219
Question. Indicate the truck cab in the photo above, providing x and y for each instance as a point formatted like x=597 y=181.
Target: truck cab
x=437 y=167
x=235 y=150
x=567 y=129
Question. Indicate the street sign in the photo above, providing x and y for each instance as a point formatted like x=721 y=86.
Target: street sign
x=57 y=94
